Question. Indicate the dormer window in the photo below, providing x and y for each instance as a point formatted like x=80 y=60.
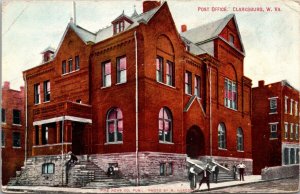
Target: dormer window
x=119 y=27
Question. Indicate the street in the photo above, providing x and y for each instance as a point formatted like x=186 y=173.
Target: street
x=277 y=186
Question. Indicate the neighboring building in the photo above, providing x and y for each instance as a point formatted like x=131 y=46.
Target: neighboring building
x=275 y=125
x=12 y=134
x=185 y=101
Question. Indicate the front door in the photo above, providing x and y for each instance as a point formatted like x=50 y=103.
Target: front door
x=77 y=138
x=194 y=142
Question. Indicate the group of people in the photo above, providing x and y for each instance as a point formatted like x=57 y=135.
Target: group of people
x=214 y=170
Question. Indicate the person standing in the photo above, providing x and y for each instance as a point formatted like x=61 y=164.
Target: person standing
x=205 y=177
x=241 y=168
x=216 y=172
x=234 y=170
x=192 y=177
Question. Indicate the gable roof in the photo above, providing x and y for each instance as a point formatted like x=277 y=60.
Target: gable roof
x=210 y=31
x=190 y=102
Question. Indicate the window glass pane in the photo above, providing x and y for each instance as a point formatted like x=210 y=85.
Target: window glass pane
x=16 y=139
x=3 y=116
x=50 y=168
x=2 y=138
x=123 y=76
x=159 y=69
x=286 y=156
x=77 y=63
x=107 y=68
x=16 y=117
x=162 y=169
x=120 y=126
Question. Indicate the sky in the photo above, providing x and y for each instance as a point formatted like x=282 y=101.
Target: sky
x=271 y=39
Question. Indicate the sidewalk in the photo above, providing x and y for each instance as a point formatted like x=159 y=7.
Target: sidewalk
x=172 y=187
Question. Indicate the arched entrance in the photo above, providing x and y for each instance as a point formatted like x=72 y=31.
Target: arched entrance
x=194 y=142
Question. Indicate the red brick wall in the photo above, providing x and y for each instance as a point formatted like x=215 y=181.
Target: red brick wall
x=12 y=158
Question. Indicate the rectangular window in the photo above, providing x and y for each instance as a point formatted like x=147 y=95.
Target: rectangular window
x=273 y=105
x=231 y=38
x=197 y=86
x=273 y=130
x=291 y=110
x=64 y=67
x=37 y=135
x=37 y=91
x=162 y=169
x=296 y=108
x=291 y=131
x=70 y=65
x=170 y=168
x=77 y=66
x=188 y=82
x=106 y=74
x=286 y=129
x=121 y=70
x=48 y=168
x=230 y=95
x=16 y=117
x=296 y=131
x=46 y=91
x=159 y=69
x=16 y=139
x=44 y=134
x=3 y=116
x=285 y=105
x=2 y=139
x=170 y=73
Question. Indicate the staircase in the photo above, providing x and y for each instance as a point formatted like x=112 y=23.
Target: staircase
x=224 y=173
x=99 y=179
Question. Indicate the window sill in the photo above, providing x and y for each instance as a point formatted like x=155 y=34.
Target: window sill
x=2 y=123
x=113 y=143
x=14 y=147
x=48 y=145
x=273 y=138
x=162 y=83
x=46 y=102
x=2 y=146
x=103 y=87
x=70 y=72
x=165 y=142
x=231 y=108
x=223 y=149
x=273 y=113
x=18 y=125
x=121 y=83
x=242 y=151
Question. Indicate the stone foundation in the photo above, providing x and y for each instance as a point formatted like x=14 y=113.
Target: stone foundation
x=32 y=174
x=229 y=161
x=150 y=164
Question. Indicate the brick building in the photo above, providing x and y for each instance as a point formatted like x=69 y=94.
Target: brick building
x=141 y=96
x=12 y=131
x=275 y=120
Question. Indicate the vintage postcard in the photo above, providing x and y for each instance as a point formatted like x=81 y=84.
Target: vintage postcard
x=150 y=96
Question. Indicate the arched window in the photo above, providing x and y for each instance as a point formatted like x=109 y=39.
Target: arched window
x=165 y=125
x=222 y=136
x=114 y=125
x=240 y=139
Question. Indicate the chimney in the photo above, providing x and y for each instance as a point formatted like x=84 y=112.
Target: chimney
x=6 y=85
x=148 y=5
x=183 y=28
x=261 y=83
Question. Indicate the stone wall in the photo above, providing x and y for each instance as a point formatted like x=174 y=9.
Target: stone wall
x=31 y=174
x=279 y=172
x=149 y=165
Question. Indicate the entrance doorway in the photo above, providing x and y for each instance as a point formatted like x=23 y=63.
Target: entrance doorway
x=77 y=138
x=194 y=142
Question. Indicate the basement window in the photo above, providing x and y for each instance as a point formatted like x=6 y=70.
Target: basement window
x=166 y=169
x=48 y=168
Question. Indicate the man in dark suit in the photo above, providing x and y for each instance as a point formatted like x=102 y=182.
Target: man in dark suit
x=205 y=176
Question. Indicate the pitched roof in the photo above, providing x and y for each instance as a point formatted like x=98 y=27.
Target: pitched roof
x=207 y=31
x=210 y=31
